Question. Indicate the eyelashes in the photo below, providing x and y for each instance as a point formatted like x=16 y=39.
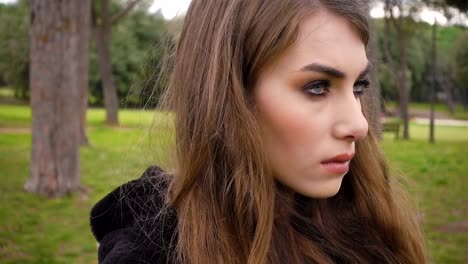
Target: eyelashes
x=360 y=86
x=318 y=87
x=322 y=87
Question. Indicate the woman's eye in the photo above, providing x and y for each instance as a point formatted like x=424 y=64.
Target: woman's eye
x=318 y=88
x=360 y=86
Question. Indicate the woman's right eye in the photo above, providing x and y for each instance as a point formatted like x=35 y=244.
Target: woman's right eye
x=318 y=88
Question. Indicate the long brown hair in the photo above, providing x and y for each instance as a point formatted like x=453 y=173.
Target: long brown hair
x=230 y=208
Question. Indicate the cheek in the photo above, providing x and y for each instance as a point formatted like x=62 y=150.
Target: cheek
x=293 y=128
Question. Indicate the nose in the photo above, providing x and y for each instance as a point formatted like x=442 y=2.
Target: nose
x=350 y=123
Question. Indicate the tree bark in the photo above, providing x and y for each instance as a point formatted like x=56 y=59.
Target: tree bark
x=465 y=100
x=376 y=100
x=443 y=80
x=102 y=37
x=402 y=69
x=54 y=79
x=403 y=83
x=433 y=83
x=83 y=71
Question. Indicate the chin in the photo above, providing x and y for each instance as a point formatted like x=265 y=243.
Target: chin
x=321 y=190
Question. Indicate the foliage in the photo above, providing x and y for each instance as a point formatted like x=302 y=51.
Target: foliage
x=136 y=40
x=14 y=47
x=461 y=65
x=137 y=44
x=462 y=5
x=419 y=50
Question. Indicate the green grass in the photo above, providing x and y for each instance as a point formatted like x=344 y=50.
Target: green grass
x=15 y=116
x=20 y=116
x=38 y=230
x=438 y=180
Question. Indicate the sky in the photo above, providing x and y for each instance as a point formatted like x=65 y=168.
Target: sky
x=172 y=8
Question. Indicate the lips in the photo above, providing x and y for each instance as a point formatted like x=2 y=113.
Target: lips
x=338 y=164
x=340 y=158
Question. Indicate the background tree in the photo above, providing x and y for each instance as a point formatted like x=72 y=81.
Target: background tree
x=460 y=5
x=102 y=26
x=461 y=55
x=137 y=45
x=374 y=97
x=461 y=67
x=14 y=48
x=419 y=62
x=396 y=16
x=433 y=81
x=55 y=30
x=83 y=67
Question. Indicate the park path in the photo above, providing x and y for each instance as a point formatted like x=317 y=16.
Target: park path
x=27 y=130
x=15 y=130
x=445 y=122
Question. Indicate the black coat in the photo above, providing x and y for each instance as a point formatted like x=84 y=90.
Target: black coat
x=131 y=223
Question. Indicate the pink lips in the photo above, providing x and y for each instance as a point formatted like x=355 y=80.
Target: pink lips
x=338 y=164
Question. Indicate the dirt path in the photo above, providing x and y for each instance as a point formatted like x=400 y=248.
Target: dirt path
x=27 y=130
x=455 y=227
x=445 y=122
x=420 y=113
x=15 y=130
x=424 y=113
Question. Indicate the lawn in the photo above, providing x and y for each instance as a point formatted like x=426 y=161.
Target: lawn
x=38 y=230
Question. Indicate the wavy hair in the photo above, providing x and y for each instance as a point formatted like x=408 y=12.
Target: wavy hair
x=230 y=208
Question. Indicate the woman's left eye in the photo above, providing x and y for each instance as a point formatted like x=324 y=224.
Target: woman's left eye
x=360 y=86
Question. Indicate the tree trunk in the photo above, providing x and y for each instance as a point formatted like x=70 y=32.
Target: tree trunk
x=465 y=100
x=403 y=84
x=444 y=82
x=54 y=52
x=102 y=37
x=83 y=71
x=402 y=68
x=433 y=83
x=376 y=100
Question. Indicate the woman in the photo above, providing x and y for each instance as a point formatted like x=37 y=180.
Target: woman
x=275 y=161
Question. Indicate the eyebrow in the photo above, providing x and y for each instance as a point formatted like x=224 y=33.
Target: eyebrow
x=316 y=67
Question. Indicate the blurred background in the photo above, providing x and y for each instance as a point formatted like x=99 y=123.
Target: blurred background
x=80 y=82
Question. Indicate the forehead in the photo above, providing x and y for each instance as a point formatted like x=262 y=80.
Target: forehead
x=329 y=39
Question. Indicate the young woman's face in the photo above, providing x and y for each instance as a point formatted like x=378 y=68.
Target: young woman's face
x=308 y=105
